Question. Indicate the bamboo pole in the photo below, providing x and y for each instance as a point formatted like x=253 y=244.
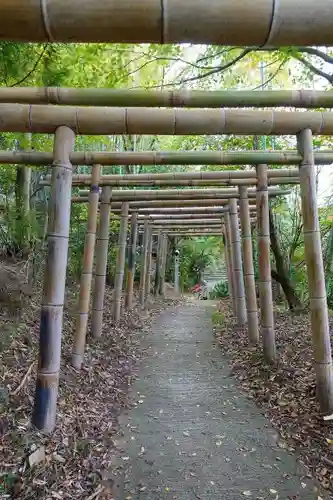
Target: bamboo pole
x=316 y=278
x=236 y=24
x=180 y=211
x=207 y=221
x=249 y=281
x=144 y=264
x=86 y=277
x=131 y=261
x=45 y=404
x=164 y=251
x=149 y=265
x=177 y=268
x=167 y=98
x=265 y=280
x=45 y=119
x=237 y=265
x=119 y=277
x=158 y=262
x=102 y=244
x=193 y=158
x=228 y=259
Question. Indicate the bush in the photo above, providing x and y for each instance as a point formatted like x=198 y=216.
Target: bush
x=219 y=291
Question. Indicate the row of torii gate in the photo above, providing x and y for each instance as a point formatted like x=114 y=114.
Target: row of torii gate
x=271 y=24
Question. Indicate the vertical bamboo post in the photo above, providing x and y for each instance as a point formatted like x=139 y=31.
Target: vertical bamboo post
x=164 y=250
x=144 y=263
x=121 y=257
x=265 y=280
x=237 y=264
x=158 y=263
x=177 y=268
x=131 y=261
x=45 y=404
x=228 y=251
x=86 y=277
x=149 y=265
x=102 y=244
x=250 y=286
x=316 y=278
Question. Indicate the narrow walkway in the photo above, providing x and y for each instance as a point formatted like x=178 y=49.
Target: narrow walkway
x=192 y=434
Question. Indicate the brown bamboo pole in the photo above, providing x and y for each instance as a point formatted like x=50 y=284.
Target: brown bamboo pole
x=158 y=262
x=167 y=98
x=86 y=277
x=102 y=244
x=144 y=264
x=265 y=280
x=316 y=278
x=131 y=261
x=289 y=157
x=120 y=267
x=228 y=259
x=237 y=265
x=45 y=404
x=45 y=119
x=199 y=221
x=149 y=265
x=249 y=280
x=164 y=250
x=169 y=22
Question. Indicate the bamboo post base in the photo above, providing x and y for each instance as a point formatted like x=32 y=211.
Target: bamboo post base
x=45 y=404
x=265 y=283
x=121 y=257
x=102 y=244
x=249 y=281
x=316 y=278
x=237 y=265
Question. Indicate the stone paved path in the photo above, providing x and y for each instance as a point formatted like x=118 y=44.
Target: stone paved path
x=192 y=434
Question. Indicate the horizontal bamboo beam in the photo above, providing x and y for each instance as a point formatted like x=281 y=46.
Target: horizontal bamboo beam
x=302 y=22
x=180 y=216
x=155 y=121
x=289 y=157
x=168 y=222
x=167 y=98
x=137 y=205
x=154 y=212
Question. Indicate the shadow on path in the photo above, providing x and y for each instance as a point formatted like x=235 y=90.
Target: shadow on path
x=192 y=434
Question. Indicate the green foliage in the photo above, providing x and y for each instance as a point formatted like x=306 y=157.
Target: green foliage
x=218 y=318
x=219 y=291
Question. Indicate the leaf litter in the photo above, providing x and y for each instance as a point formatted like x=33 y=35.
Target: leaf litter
x=75 y=462
x=286 y=392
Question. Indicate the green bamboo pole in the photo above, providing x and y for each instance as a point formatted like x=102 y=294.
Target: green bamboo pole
x=102 y=244
x=119 y=278
x=168 y=98
x=45 y=119
x=237 y=265
x=131 y=261
x=192 y=158
x=316 y=278
x=249 y=280
x=45 y=404
x=144 y=264
x=228 y=260
x=291 y=24
x=149 y=265
x=86 y=277
x=265 y=280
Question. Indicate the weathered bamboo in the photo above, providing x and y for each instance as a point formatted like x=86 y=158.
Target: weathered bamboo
x=184 y=221
x=86 y=277
x=144 y=264
x=180 y=211
x=190 y=225
x=167 y=98
x=228 y=260
x=316 y=278
x=237 y=265
x=158 y=262
x=102 y=244
x=131 y=261
x=164 y=251
x=177 y=268
x=44 y=413
x=152 y=21
x=149 y=265
x=45 y=119
x=167 y=158
x=120 y=267
x=265 y=280
x=249 y=281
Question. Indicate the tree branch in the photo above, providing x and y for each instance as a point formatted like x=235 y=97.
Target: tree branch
x=40 y=57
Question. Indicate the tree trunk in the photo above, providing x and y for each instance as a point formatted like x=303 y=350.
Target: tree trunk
x=281 y=274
